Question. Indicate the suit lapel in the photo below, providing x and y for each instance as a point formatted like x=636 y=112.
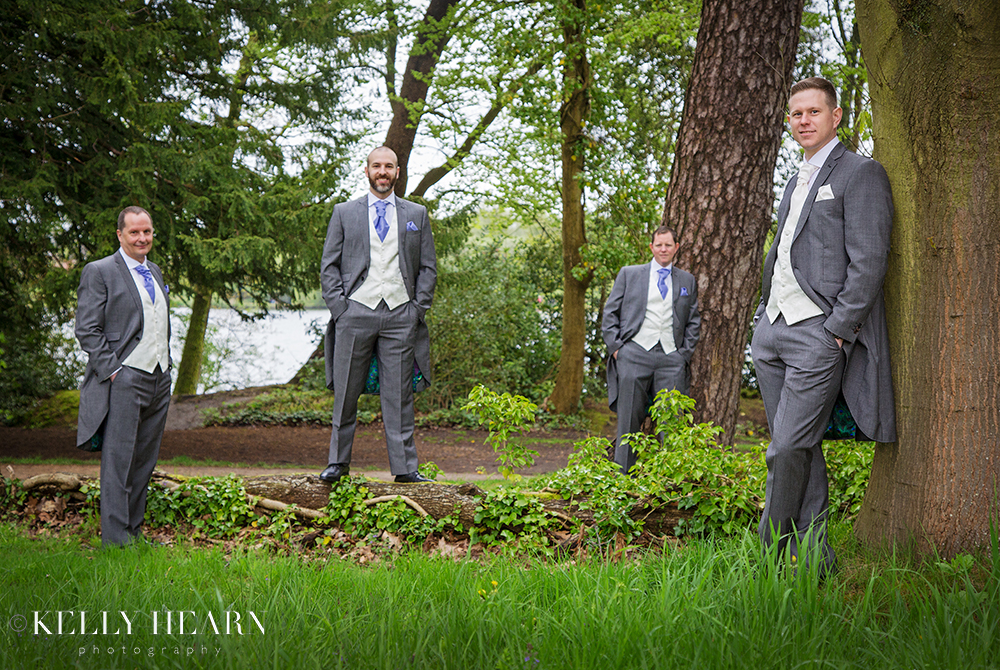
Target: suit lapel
x=786 y=200
x=401 y=219
x=824 y=174
x=158 y=276
x=644 y=288
x=359 y=218
x=126 y=277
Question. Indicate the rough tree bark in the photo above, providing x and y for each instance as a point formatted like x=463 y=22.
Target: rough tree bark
x=934 y=78
x=565 y=397
x=721 y=190
x=407 y=106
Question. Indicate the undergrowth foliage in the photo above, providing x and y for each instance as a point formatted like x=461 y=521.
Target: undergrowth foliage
x=682 y=465
x=679 y=466
x=214 y=506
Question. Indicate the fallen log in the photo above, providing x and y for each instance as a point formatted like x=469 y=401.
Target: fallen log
x=59 y=480
x=308 y=494
x=437 y=500
x=440 y=500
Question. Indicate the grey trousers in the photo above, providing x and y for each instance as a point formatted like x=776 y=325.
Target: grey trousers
x=641 y=375
x=390 y=334
x=132 y=436
x=799 y=371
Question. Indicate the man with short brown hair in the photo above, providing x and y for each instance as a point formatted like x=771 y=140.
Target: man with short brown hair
x=820 y=327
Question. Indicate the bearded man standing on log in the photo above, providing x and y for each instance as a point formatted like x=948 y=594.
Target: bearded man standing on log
x=378 y=275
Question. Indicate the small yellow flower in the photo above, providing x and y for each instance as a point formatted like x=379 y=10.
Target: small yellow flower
x=494 y=584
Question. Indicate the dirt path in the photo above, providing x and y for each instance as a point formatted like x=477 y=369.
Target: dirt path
x=253 y=450
x=260 y=449
x=24 y=471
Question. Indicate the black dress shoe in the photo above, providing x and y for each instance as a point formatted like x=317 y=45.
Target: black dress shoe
x=413 y=478
x=334 y=472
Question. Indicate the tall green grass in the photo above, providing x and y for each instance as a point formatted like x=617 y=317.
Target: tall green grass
x=706 y=605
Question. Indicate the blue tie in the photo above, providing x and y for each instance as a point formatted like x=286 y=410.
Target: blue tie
x=661 y=282
x=381 y=225
x=147 y=279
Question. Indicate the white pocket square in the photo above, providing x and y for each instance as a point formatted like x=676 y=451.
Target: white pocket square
x=825 y=193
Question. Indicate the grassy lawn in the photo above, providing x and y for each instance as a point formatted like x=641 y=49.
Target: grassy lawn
x=703 y=605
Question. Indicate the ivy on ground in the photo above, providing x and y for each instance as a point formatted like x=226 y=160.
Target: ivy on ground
x=681 y=464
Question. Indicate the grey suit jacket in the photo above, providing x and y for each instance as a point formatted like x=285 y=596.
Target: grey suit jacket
x=839 y=257
x=625 y=311
x=347 y=258
x=109 y=326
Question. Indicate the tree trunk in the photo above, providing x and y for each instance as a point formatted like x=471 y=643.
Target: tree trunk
x=721 y=191
x=189 y=370
x=565 y=397
x=407 y=107
x=934 y=78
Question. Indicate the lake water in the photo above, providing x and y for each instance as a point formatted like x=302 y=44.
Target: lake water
x=241 y=354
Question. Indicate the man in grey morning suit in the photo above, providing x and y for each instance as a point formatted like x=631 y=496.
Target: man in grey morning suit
x=378 y=275
x=123 y=323
x=820 y=327
x=651 y=324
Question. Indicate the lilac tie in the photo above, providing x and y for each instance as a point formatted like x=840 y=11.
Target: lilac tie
x=381 y=225
x=661 y=282
x=147 y=280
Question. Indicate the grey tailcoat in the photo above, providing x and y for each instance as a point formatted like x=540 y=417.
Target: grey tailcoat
x=625 y=311
x=839 y=257
x=109 y=326
x=347 y=257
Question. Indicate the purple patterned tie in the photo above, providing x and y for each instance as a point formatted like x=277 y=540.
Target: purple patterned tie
x=661 y=282
x=147 y=279
x=381 y=225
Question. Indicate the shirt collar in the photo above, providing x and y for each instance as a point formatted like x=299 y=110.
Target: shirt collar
x=131 y=262
x=372 y=199
x=820 y=156
x=654 y=266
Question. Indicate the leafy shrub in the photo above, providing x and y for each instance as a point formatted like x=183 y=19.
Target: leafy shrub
x=347 y=510
x=848 y=466
x=723 y=487
x=505 y=414
x=492 y=323
x=508 y=516
x=217 y=506
x=38 y=358
x=457 y=417
x=12 y=496
x=594 y=482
